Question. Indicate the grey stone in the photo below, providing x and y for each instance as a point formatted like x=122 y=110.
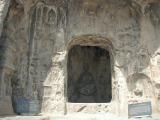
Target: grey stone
x=38 y=37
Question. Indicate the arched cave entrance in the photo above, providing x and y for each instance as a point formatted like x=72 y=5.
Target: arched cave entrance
x=89 y=75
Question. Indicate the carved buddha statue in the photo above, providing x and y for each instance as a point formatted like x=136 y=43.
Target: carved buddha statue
x=86 y=87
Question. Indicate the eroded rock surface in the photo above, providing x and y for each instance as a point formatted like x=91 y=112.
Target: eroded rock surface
x=37 y=36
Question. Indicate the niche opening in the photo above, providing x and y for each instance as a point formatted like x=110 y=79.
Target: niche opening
x=89 y=75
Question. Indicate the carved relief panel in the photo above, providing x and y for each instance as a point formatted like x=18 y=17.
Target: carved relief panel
x=46 y=19
x=91 y=7
x=139 y=87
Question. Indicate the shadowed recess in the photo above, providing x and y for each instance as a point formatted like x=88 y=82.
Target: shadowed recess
x=89 y=75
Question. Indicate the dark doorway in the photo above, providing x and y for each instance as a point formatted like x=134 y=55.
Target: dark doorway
x=89 y=75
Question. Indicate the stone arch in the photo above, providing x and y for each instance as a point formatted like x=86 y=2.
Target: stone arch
x=94 y=40
x=89 y=44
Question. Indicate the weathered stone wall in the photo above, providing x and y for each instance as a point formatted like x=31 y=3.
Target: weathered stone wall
x=37 y=34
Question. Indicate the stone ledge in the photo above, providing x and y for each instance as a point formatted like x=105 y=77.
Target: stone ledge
x=79 y=116
x=24 y=118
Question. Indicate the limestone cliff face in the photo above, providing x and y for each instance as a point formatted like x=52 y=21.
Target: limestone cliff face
x=38 y=34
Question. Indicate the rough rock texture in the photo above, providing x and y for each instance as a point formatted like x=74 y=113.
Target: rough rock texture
x=78 y=116
x=37 y=36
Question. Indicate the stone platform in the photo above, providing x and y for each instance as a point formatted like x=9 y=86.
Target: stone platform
x=77 y=117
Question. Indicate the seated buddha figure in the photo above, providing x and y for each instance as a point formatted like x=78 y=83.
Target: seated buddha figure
x=86 y=87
